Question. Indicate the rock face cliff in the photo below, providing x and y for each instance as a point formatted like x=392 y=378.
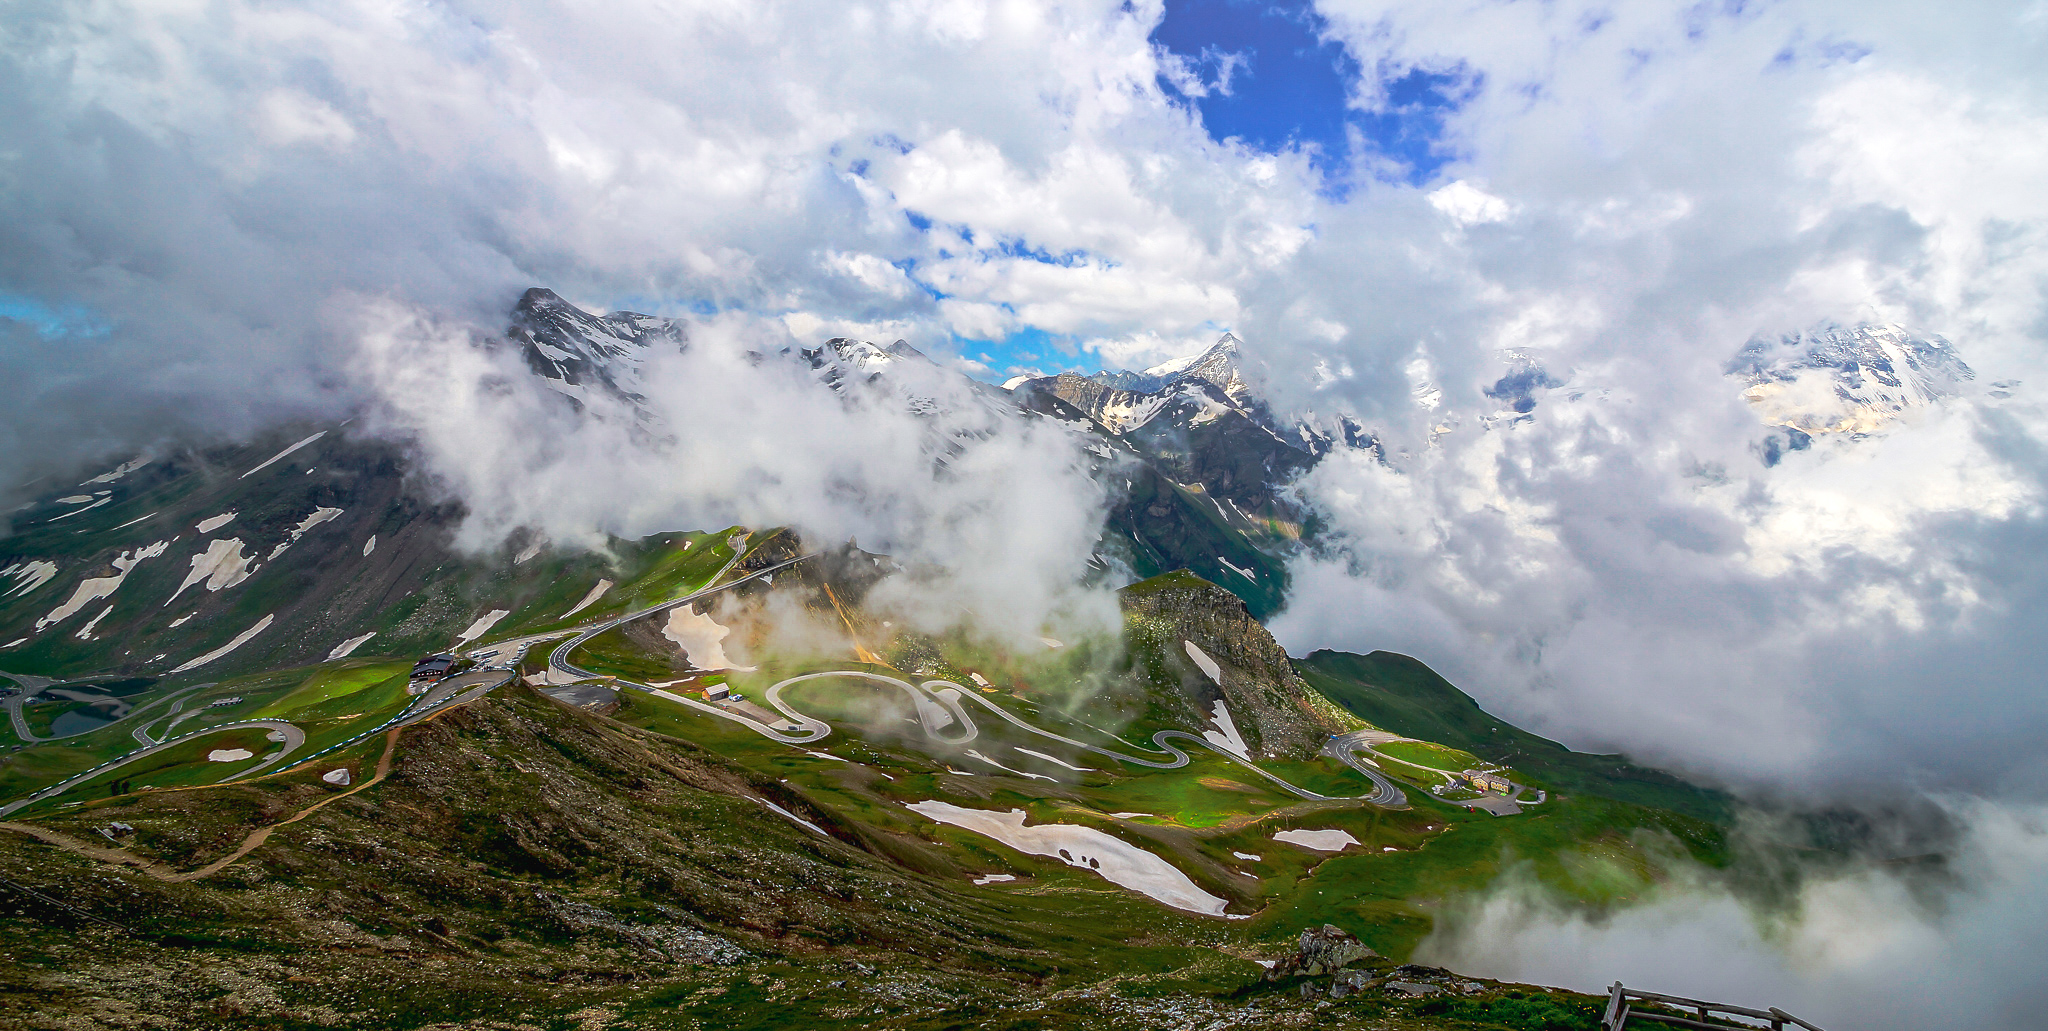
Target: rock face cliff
x=1274 y=710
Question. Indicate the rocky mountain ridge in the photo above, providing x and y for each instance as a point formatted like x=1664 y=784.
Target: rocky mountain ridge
x=575 y=352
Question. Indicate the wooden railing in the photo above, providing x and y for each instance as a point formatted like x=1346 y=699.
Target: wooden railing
x=1620 y=1010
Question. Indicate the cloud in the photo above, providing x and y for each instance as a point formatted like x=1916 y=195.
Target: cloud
x=215 y=217
x=994 y=515
x=208 y=194
x=1620 y=567
x=1877 y=945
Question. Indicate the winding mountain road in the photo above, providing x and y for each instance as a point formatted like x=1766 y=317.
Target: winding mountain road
x=1345 y=748
x=938 y=705
x=558 y=660
x=293 y=738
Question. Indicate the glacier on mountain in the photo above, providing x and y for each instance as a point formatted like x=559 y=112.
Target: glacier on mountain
x=1849 y=380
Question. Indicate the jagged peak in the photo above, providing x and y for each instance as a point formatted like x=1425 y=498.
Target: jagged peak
x=538 y=297
x=1225 y=349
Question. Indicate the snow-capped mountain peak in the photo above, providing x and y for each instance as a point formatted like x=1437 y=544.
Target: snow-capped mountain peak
x=1219 y=365
x=575 y=352
x=1846 y=379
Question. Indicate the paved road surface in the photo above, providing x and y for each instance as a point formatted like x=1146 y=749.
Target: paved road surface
x=293 y=738
x=558 y=660
x=1345 y=748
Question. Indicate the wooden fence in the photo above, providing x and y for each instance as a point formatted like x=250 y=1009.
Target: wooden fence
x=1621 y=1010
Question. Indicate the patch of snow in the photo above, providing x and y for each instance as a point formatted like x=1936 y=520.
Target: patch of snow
x=229 y=755
x=482 y=626
x=1207 y=664
x=16 y=643
x=132 y=522
x=346 y=648
x=339 y=776
x=995 y=878
x=1248 y=857
x=85 y=632
x=1267 y=963
x=75 y=499
x=240 y=640
x=979 y=679
x=98 y=587
x=1123 y=412
x=1015 y=381
x=531 y=550
x=180 y=621
x=1390 y=848
x=1055 y=760
x=77 y=511
x=700 y=637
x=212 y=523
x=1225 y=736
x=1050 y=643
x=369 y=545
x=320 y=515
x=794 y=818
x=826 y=755
x=28 y=576
x=1116 y=860
x=1321 y=841
x=1174 y=366
x=221 y=565
x=273 y=458
x=119 y=471
x=589 y=599
x=1127 y=816
x=972 y=754
x=1227 y=564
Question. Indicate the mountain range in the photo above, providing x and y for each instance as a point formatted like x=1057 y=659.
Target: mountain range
x=638 y=798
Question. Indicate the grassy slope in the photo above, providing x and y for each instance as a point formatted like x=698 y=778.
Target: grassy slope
x=1596 y=850
x=1397 y=693
x=513 y=797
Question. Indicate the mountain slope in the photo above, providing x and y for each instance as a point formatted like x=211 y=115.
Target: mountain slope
x=527 y=864
x=314 y=540
x=1179 y=615
x=1401 y=694
x=575 y=352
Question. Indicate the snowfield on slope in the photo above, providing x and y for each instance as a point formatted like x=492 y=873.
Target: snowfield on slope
x=482 y=626
x=1116 y=860
x=700 y=637
x=1321 y=841
x=589 y=599
x=240 y=640
x=320 y=515
x=346 y=648
x=98 y=587
x=221 y=565
x=273 y=458
x=28 y=576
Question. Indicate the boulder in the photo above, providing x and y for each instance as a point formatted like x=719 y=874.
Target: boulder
x=1323 y=950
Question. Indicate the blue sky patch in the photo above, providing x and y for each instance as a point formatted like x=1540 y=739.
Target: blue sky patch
x=50 y=323
x=1027 y=348
x=1266 y=73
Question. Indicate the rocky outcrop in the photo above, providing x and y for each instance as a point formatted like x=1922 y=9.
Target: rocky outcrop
x=1275 y=710
x=1323 y=950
